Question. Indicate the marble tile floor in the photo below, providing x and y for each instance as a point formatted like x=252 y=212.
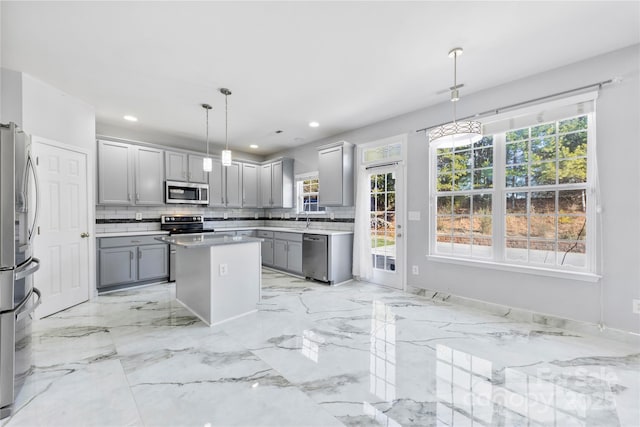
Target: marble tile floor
x=313 y=355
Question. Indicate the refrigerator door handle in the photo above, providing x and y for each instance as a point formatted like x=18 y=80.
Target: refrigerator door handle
x=29 y=268
x=31 y=309
x=35 y=180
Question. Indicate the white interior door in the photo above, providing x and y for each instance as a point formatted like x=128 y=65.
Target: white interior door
x=62 y=241
x=387 y=228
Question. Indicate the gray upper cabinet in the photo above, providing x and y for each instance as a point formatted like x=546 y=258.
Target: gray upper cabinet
x=249 y=185
x=176 y=166
x=184 y=167
x=217 y=190
x=149 y=171
x=233 y=197
x=335 y=174
x=129 y=174
x=276 y=184
x=196 y=173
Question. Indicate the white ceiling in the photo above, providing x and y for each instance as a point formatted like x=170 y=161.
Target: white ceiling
x=344 y=64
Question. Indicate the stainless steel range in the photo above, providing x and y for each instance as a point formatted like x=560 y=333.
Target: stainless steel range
x=180 y=224
x=18 y=217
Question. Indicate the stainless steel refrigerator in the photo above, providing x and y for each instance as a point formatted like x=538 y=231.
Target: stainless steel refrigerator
x=18 y=296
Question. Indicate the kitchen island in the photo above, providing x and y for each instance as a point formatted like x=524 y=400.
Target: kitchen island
x=218 y=278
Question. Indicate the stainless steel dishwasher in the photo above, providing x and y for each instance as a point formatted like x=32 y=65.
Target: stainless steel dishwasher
x=315 y=263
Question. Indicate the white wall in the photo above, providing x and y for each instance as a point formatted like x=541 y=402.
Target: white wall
x=618 y=131
x=44 y=111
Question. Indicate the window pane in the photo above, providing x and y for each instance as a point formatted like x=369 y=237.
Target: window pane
x=543 y=130
x=380 y=202
x=444 y=225
x=543 y=202
x=516 y=135
x=391 y=182
x=573 y=145
x=572 y=201
x=444 y=183
x=572 y=227
x=516 y=176
x=543 y=173
x=543 y=149
x=444 y=163
x=313 y=187
x=462 y=205
x=462 y=160
x=462 y=181
x=542 y=226
x=572 y=253
x=516 y=249
x=516 y=202
x=576 y=123
x=482 y=226
x=444 y=244
x=516 y=153
x=542 y=252
x=483 y=158
x=306 y=187
x=482 y=204
x=516 y=225
x=461 y=225
x=483 y=178
x=482 y=247
x=444 y=205
x=462 y=245
x=572 y=171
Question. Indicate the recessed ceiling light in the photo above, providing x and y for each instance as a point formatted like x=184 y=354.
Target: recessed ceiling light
x=254 y=146
x=314 y=124
x=130 y=118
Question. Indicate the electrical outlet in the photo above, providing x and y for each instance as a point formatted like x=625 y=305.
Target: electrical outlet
x=636 y=306
x=225 y=216
x=224 y=270
x=415 y=270
x=255 y=216
x=332 y=216
x=138 y=216
x=287 y=215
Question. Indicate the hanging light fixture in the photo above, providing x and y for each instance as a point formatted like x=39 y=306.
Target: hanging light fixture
x=455 y=134
x=226 y=153
x=207 y=164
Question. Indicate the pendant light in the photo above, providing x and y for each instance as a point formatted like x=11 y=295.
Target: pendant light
x=207 y=164
x=226 y=153
x=455 y=134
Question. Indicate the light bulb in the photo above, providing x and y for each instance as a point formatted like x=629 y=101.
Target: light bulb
x=207 y=164
x=226 y=157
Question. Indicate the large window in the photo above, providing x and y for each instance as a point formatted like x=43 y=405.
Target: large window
x=517 y=197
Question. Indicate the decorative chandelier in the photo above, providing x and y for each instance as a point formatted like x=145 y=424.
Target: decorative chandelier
x=207 y=164
x=226 y=153
x=455 y=134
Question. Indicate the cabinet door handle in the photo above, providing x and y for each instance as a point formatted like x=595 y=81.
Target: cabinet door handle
x=184 y=174
x=129 y=197
x=139 y=254
x=137 y=196
x=131 y=255
x=190 y=174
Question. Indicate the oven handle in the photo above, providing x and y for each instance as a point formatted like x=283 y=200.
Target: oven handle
x=30 y=268
x=31 y=309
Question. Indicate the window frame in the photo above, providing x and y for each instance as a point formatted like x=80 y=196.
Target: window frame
x=499 y=191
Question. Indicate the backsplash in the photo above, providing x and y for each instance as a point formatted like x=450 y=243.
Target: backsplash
x=116 y=219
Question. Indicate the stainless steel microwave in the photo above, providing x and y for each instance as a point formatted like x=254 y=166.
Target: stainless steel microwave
x=186 y=193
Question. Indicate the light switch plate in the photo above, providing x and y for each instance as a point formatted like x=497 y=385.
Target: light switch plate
x=138 y=216
x=224 y=270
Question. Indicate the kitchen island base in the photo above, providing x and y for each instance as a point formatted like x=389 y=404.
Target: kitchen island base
x=220 y=282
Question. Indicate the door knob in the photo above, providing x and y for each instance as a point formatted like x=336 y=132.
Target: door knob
x=83 y=235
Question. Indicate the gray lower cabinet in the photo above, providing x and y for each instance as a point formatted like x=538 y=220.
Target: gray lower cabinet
x=287 y=251
x=130 y=260
x=267 y=248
